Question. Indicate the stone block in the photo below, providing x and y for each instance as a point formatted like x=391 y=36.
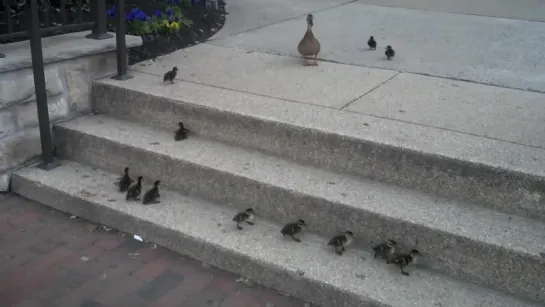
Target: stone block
x=78 y=85
x=4 y=181
x=27 y=114
x=18 y=86
x=79 y=75
x=7 y=124
x=102 y=65
x=19 y=148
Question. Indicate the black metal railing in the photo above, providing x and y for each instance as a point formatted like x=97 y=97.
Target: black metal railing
x=38 y=21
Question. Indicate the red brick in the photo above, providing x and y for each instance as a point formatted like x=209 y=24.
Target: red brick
x=241 y=299
x=226 y=282
x=174 y=297
x=12 y=278
x=195 y=280
x=29 y=303
x=153 y=269
x=24 y=219
x=85 y=291
x=146 y=254
x=38 y=279
x=5 y=229
x=72 y=262
x=92 y=252
x=122 y=287
x=48 y=259
x=11 y=296
x=110 y=243
x=265 y=296
x=6 y=216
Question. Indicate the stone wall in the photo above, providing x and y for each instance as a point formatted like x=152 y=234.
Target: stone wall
x=69 y=71
x=68 y=95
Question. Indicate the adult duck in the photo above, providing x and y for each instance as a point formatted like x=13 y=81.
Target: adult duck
x=309 y=46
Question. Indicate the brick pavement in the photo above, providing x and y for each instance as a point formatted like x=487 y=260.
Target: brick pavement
x=48 y=259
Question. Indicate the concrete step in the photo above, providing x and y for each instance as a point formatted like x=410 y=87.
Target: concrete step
x=466 y=241
x=495 y=174
x=202 y=230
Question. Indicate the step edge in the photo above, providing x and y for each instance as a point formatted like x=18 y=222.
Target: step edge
x=508 y=190
x=437 y=232
x=329 y=295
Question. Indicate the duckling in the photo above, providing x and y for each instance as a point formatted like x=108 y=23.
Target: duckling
x=405 y=260
x=152 y=195
x=247 y=216
x=293 y=229
x=124 y=182
x=372 y=43
x=181 y=133
x=389 y=52
x=135 y=190
x=170 y=75
x=309 y=46
x=385 y=250
x=340 y=242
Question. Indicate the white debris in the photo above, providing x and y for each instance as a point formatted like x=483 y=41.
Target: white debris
x=84 y=258
x=73 y=217
x=138 y=238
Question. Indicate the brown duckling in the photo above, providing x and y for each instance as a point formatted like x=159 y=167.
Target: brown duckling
x=340 y=242
x=247 y=216
x=404 y=260
x=390 y=53
x=124 y=182
x=293 y=229
x=309 y=46
x=152 y=195
x=170 y=75
x=181 y=133
x=385 y=250
x=135 y=190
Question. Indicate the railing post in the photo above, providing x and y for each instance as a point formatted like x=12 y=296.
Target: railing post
x=99 y=10
x=121 y=44
x=40 y=86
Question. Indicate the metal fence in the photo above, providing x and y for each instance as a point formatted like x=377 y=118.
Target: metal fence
x=33 y=19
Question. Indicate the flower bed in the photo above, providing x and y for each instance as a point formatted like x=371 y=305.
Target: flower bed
x=167 y=25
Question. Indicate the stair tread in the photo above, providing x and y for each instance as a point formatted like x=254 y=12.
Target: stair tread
x=354 y=273
x=406 y=135
x=476 y=223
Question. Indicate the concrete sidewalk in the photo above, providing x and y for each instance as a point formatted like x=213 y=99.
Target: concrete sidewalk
x=420 y=103
x=503 y=52
x=256 y=54
x=50 y=260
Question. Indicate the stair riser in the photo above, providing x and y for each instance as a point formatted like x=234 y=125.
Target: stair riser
x=483 y=264
x=508 y=191
x=266 y=274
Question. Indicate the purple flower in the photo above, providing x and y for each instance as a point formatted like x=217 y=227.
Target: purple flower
x=111 y=12
x=157 y=13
